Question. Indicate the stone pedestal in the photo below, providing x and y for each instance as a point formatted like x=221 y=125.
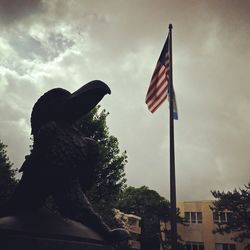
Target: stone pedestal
x=43 y=231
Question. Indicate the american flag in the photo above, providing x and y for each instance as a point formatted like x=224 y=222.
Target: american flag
x=158 y=90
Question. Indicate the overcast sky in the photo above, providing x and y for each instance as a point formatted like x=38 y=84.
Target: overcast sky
x=47 y=44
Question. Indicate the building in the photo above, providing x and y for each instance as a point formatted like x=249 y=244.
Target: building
x=198 y=234
x=134 y=227
x=132 y=223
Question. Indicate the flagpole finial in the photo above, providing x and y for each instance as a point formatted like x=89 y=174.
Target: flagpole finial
x=170 y=26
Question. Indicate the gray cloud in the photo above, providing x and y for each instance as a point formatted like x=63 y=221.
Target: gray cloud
x=47 y=44
x=16 y=10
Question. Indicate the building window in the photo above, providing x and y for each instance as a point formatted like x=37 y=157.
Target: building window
x=193 y=217
x=222 y=217
x=132 y=221
x=221 y=246
x=194 y=245
x=134 y=236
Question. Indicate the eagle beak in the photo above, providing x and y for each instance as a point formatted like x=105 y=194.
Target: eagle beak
x=84 y=100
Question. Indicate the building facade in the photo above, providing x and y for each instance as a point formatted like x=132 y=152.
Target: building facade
x=198 y=233
x=132 y=223
x=134 y=227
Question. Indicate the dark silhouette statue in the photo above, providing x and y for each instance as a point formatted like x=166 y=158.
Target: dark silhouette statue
x=62 y=161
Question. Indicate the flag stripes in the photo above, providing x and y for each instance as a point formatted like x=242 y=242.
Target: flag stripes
x=158 y=88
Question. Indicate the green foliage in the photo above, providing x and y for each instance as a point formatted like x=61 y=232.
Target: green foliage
x=237 y=203
x=110 y=170
x=143 y=201
x=7 y=175
x=151 y=207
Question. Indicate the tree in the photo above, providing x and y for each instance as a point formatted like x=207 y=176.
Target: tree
x=110 y=175
x=151 y=207
x=7 y=175
x=237 y=206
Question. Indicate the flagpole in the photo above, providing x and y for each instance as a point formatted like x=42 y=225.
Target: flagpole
x=172 y=152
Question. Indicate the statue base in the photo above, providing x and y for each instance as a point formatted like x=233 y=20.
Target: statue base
x=45 y=231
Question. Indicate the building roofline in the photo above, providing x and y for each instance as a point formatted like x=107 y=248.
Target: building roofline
x=201 y=201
